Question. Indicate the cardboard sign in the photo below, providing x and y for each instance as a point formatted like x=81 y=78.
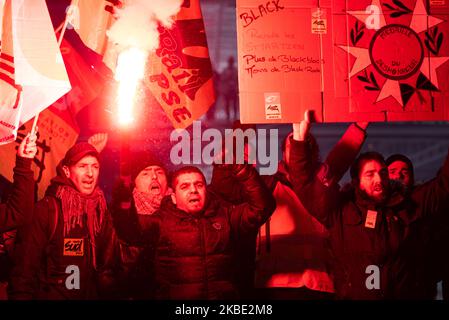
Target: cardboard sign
x=279 y=51
x=356 y=60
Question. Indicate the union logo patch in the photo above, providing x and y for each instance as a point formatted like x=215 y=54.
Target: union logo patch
x=73 y=247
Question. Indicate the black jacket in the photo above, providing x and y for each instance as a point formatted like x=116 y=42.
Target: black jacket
x=138 y=281
x=393 y=245
x=336 y=164
x=19 y=208
x=41 y=268
x=194 y=252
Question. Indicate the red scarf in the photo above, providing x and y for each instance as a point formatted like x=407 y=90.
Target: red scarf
x=75 y=206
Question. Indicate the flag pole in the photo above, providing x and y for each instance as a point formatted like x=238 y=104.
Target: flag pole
x=33 y=128
x=61 y=36
x=66 y=21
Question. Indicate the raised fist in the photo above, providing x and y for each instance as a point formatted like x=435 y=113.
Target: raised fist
x=28 y=146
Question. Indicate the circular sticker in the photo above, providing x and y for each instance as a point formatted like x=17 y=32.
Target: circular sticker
x=396 y=52
x=217 y=225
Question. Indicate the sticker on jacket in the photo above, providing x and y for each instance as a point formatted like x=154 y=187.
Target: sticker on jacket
x=73 y=247
x=371 y=217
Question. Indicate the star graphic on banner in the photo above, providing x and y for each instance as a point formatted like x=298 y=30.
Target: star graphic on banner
x=430 y=69
x=390 y=88
x=362 y=59
x=421 y=22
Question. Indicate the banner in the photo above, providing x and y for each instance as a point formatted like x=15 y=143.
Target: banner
x=9 y=91
x=57 y=133
x=391 y=60
x=32 y=73
x=2 y=3
x=356 y=60
x=179 y=73
x=58 y=129
x=89 y=19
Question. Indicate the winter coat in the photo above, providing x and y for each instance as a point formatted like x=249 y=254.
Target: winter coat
x=19 y=208
x=194 y=252
x=137 y=260
x=377 y=262
x=292 y=249
x=17 y=211
x=51 y=266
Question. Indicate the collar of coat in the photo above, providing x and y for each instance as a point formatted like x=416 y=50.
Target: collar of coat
x=399 y=203
x=213 y=204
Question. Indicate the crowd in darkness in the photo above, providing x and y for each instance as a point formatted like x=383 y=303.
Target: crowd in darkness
x=295 y=235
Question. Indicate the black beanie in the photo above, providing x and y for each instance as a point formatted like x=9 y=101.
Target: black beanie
x=402 y=158
x=399 y=157
x=79 y=151
x=141 y=160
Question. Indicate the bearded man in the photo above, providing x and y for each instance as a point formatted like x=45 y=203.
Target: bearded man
x=374 y=226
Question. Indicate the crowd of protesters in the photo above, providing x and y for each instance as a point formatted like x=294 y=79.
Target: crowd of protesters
x=296 y=234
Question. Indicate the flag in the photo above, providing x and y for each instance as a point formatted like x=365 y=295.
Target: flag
x=58 y=129
x=87 y=73
x=57 y=133
x=9 y=91
x=32 y=72
x=90 y=20
x=179 y=73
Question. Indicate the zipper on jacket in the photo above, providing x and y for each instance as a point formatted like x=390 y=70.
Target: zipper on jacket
x=203 y=247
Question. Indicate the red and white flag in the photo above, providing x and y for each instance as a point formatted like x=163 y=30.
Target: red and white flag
x=32 y=71
x=58 y=129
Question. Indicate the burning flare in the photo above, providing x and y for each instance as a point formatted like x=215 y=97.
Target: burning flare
x=130 y=70
x=136 y=35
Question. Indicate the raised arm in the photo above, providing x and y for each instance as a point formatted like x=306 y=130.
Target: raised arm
x=343 y=154
x=18 y=210
x=319 y=198
x=259 y=204
x=433 y=195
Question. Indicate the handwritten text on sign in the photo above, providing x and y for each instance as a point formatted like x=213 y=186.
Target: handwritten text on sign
x=275 y=61
x=281 y=63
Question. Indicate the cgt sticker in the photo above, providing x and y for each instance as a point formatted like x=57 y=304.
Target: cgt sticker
x=273 y=105
x=319 y=21
x=73 y=247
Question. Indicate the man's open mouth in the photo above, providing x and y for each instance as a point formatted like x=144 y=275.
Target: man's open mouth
x=155 y=188
x=378 y=189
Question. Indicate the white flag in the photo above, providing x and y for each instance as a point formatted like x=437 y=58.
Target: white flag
x=32 y=72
